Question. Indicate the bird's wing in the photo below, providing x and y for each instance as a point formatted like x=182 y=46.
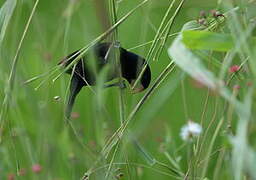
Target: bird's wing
x=75 y=87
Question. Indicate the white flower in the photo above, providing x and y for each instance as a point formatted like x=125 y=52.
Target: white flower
x=190 y=130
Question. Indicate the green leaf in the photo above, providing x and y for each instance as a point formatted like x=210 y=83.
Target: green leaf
x=192 y=65
x=189 y=62
x=207 y=40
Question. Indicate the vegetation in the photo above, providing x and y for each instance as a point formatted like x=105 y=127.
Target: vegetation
x=195 y=121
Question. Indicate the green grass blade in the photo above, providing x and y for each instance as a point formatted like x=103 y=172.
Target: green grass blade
x=240 y=142
x=11 y=79
x=210 y=148
x=6 y=12
x=155 y=42
x=142 y=151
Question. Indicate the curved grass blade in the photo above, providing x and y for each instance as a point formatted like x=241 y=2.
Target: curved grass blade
x=6 y=12
x=11 y=79
x=192 y=65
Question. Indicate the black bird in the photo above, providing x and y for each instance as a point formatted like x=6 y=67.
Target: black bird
x=83 y=75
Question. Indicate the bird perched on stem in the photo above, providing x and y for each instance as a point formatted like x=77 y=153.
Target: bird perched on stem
x=128 y=67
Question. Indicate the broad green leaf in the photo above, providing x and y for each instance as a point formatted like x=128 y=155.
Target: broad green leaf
x=192 y=65
x=189 y=62
x=206 y=40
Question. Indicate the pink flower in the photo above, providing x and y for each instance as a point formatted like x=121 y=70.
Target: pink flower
x=236 y=87
x=36 y=168
x=234 y=68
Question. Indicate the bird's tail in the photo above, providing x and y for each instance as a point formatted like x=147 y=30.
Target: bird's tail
x=75 y=88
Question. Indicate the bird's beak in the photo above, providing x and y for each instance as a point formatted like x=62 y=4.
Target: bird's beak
x=63 y=62
x=138 y=88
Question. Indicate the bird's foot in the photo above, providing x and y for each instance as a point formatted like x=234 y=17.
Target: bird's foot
x=120 y=84
x=117 y=44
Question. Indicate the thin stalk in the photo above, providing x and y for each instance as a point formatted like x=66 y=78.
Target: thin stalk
x=113 y=140
x=136 y=165
x=150 y=42
x=216 y=132
x=154 y=43
x=112 y=161
x=118 y=65
x=168 y=30
x=117 y=60
x=121 y=129
x=11 y=80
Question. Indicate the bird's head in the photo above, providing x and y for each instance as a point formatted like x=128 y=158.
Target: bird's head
x=132 y=66
x=69 y=59
x=143 y=82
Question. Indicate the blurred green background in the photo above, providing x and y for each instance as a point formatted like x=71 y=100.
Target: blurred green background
x=35 y=131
